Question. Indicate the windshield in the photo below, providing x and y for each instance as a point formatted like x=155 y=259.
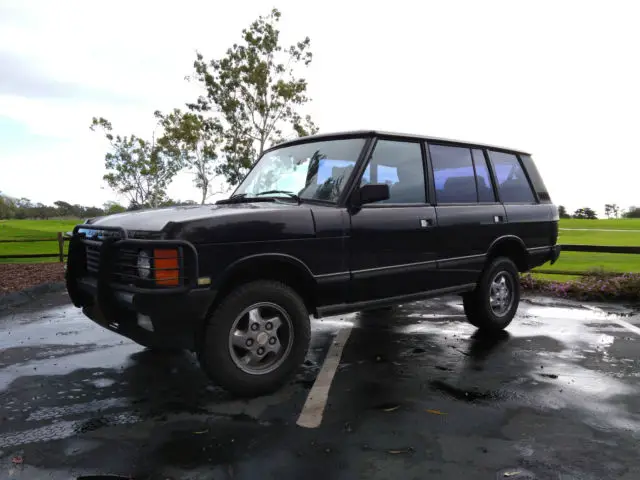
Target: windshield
x=314 y=171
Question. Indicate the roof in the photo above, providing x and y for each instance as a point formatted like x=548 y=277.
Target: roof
x=382 y=133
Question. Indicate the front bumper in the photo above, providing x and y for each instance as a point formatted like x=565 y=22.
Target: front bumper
x=160 y=317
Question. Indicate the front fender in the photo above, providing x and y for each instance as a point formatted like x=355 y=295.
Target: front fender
x=254 y=263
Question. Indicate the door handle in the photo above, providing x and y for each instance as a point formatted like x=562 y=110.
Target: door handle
x=498 y=219
x=426 y=222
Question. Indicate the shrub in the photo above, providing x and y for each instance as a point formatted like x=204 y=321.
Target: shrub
x=597 y=285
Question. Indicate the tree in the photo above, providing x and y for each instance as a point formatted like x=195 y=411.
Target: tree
x=7 y=207
x=92 y=212
x=23 y=203
x=562 y=212
x=39 y=210
x=23 y=208
x=136 y=167
x=255 y=92
x=585 y=213
x=65 y=209
x=111 y=208
x=633 y=212
x=193 y=140
x=611 y=210
x=178 y=203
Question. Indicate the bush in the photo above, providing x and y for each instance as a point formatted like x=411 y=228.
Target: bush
x=598 y=285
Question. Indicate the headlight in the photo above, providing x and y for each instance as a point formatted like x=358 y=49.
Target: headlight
x=144 y=264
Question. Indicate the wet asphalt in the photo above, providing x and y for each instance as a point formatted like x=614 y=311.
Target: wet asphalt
x=417 y=394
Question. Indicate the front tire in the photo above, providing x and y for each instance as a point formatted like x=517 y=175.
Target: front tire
x=256 y=338
x=494 y=302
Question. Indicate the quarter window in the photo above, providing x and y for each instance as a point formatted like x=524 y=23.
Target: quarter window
x=512 y=182
x=453 y=174
x=399 y=165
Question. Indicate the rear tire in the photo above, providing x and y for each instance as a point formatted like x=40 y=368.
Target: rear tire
x=256 y=338
x=494 y=302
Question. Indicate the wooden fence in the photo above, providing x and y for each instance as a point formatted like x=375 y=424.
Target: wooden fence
x=587 y=249
x=62 y=237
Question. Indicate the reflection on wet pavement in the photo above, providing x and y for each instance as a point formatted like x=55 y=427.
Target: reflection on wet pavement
x=418 y=392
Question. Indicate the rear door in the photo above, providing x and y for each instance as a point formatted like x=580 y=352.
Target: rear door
x=529 y=213
x=469 y=214
x=392 y=245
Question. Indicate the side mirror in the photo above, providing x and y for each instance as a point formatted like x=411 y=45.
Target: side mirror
x=373 y=192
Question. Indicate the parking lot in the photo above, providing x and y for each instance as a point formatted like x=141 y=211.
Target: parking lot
x=407 y=393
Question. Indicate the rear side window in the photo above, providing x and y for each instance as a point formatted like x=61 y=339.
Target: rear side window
x=536 y=179
x=485 y=186
x=513 y=185
x=453 y=174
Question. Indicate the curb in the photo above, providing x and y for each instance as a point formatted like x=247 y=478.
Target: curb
x=16 y=299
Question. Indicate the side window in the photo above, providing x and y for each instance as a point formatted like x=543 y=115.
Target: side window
x=536 y=179
x=453 y=174
x=399 y=165
x=485 y=185
x=512 y=182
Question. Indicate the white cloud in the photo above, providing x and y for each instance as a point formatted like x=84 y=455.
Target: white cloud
x=556 y=78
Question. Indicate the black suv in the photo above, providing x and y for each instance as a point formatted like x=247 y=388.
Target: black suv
x=321 y=225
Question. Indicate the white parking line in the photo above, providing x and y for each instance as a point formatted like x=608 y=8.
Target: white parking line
x=311 y=415
x=624 y=324
x=627 y=325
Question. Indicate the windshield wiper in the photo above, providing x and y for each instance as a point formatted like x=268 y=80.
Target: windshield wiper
x=286 y=192
x=236 y=198
x=245 y=197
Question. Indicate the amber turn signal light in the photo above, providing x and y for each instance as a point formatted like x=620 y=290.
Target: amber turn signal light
x=167 y=268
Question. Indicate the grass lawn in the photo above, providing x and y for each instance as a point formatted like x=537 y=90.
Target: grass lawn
x=613 y=224
x=16 y=229
x=32 y=229
x=596 y=237
x=588 y=234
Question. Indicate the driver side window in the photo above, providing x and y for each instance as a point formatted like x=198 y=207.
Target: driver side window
x=399 y=165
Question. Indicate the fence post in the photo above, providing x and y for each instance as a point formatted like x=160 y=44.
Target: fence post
x=61 y=246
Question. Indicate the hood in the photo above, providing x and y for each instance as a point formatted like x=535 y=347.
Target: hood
x=197 y=223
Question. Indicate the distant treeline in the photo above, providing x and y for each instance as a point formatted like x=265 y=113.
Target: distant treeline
x=611 y=210
x=23 y=208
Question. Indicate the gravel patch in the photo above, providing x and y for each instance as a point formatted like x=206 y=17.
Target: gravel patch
x=15 y=277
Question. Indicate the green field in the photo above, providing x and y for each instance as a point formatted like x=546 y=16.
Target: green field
x=613 y=224
x=32 y=229
x=586 y=232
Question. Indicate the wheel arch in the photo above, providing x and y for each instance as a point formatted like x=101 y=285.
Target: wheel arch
x=510 y=246
x=270 y=266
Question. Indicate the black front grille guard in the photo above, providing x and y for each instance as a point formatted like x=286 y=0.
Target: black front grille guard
x=114 y=239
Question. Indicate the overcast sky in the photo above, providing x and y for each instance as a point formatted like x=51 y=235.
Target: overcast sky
x=560 y=79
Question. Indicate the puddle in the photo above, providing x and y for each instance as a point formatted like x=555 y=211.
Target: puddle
x=471 y=395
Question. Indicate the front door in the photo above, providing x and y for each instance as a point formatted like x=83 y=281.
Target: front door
x=392 y=244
